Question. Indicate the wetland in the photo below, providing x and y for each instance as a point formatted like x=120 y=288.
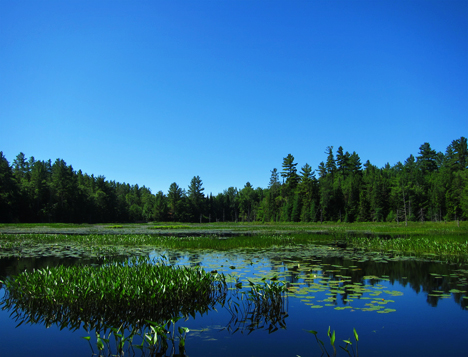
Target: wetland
x=234 y=290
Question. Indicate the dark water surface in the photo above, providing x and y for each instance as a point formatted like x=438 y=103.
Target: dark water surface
x=399 y=306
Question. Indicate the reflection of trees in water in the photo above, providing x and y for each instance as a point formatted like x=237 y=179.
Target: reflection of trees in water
x=415 y=274
x=194 y=260
x=261 y=306
x=173 y=256
x=15 y=266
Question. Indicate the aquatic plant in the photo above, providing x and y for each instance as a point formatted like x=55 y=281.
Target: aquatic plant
x=95 y=245
x=156 y=339
x=171 y=227
x=113 y=294
x=261 y=305
x=332 y=337
x=414 y=245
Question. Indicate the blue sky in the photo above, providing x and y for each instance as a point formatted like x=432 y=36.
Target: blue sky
x=155 y=92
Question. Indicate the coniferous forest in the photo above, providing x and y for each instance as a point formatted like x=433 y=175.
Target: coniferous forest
x=432 y=186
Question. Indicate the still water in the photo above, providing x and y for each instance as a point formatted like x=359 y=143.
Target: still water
x=398 y=305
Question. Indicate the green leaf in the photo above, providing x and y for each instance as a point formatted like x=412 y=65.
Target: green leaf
x=99 y=343
x=356 y=335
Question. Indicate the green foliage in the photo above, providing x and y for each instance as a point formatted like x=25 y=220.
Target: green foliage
x=100 y=296
x=452 y=245
x=8 y=191
x=332 y=337
x=171 y=227
x=430 y=186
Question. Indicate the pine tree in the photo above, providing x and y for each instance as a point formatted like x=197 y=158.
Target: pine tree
x=174 y=198
x=426 y=160
x=290 y=172
x=196 y=198
x=9 y=192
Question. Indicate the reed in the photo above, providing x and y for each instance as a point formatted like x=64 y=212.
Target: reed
x=418 y=245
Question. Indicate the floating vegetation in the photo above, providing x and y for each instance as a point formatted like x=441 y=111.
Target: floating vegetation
x=92 y=245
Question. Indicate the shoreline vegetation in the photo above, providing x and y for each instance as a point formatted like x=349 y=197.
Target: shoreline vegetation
x=437 y=238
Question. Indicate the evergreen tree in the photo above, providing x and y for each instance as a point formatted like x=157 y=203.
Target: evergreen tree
x=9 y=192
x=427 y=159
x=331 y=164
x=457 y=154
x=175 y=204
x=246 y=199
x=431 y=186
x=196 y=198
x=290 y=172
x=232 y=213
x=355 y=163
x=322 y=170
x=160 y=208
x=343 y=161
x=270 y=202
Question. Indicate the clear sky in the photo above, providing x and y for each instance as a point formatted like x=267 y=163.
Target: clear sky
x=155 y=92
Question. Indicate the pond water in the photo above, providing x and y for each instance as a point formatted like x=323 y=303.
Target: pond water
x=398 y=305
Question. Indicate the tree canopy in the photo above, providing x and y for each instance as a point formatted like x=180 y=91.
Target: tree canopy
x=429 y=186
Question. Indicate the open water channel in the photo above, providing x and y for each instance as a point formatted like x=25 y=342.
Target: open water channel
x=399 y=306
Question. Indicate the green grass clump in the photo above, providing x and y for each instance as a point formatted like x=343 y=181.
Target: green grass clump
x=439 y=245
x=114 y=294
x=170 y=227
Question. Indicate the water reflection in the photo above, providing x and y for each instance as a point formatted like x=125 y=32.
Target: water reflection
x=326 y=278
x=422 y=276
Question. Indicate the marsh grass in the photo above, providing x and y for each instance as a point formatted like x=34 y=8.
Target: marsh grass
x=267 y=227
x=416 y=238
x=171 y=227
x=101 y=245
x=454 y=245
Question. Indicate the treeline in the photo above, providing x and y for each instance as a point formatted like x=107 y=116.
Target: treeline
x=431 y=186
